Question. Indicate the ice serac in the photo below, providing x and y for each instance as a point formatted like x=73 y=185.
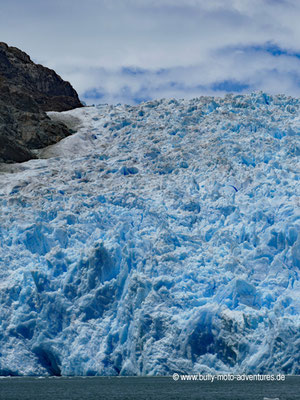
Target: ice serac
x=159 y=238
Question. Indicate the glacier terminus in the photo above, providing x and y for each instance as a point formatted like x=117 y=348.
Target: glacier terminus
x=158 y=238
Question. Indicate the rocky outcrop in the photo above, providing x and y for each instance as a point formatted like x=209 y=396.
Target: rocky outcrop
x=27 y=90
x=43 y=84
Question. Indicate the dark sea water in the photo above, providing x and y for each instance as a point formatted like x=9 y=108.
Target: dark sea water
x=165 y=388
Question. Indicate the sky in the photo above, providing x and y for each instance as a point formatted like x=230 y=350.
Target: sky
x=129 y=51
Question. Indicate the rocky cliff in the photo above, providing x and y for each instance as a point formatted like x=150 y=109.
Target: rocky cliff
x=27 y=90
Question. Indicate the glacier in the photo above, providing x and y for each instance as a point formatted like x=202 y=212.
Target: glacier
x=158 y=238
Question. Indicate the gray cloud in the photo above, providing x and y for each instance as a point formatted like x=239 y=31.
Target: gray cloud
x=181 y=48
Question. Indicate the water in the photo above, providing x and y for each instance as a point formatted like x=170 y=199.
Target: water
x=153 y=388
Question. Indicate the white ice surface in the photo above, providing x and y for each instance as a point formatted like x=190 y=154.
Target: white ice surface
x=159 y=238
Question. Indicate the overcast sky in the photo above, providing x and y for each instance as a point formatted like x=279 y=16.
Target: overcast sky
x=129 y=51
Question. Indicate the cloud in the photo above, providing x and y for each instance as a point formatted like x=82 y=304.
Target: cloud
x=132 y=50
x=230 y=69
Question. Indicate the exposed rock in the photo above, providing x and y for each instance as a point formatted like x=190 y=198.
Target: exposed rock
x=28 y=90
x=43 y=84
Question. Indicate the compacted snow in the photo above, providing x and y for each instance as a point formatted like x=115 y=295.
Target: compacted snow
x=159 y=238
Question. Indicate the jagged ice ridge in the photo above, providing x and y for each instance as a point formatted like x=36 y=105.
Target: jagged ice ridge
x=159 y=238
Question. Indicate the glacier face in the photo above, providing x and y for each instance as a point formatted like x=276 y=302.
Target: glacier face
x=159 y=238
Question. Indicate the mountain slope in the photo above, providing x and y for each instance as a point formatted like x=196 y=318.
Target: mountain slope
x=47 y=88
x=27 y=91
x=159 y=238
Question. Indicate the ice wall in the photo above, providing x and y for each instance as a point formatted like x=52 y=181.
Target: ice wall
x=159 y=238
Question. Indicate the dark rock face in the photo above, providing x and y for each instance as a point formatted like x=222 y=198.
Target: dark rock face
x=43 y=84
x=28 y=90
